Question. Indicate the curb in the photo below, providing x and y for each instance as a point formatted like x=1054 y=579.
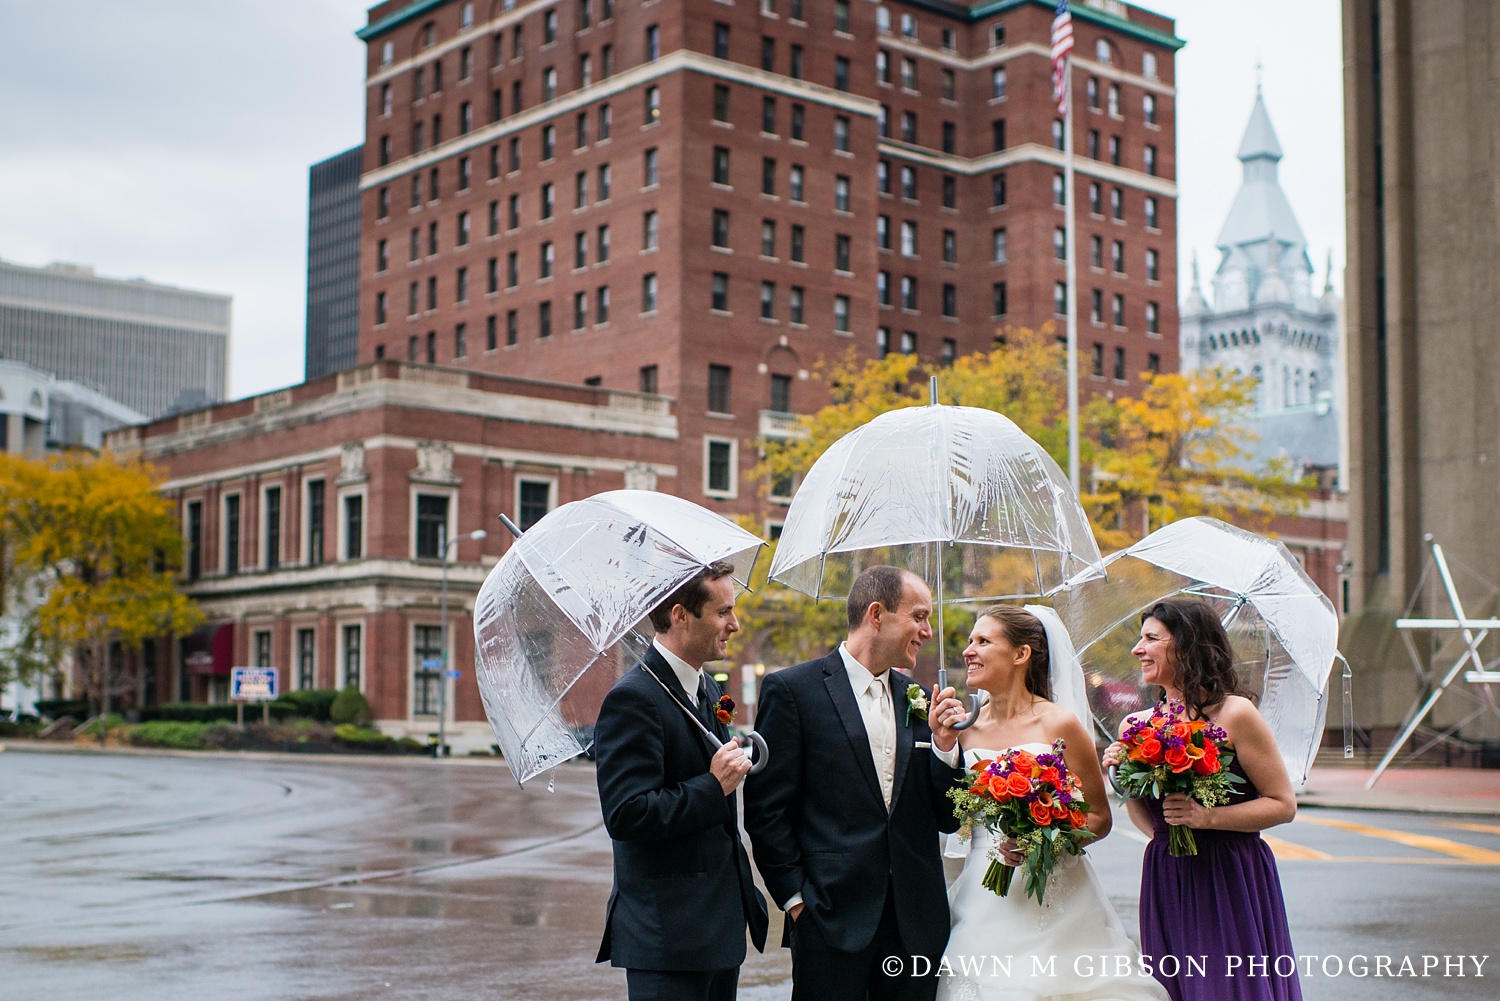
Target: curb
x=1415 y=806
x=343 y=758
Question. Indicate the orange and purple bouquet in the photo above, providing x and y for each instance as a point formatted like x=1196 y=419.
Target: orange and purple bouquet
x=1032 y=798
x=1170 y=753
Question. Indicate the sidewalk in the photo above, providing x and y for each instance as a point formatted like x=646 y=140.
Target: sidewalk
x=1418 y=790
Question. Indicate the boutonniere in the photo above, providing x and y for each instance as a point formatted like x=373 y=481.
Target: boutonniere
x=724 y=710
x=916 y=703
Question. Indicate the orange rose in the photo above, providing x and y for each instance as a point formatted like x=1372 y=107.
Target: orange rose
x=1058 y=810
x=1149 y=751
x=1077 y=818
x=1019 y=785
x=1050 y=775
x=999 y=789
x=1177 y=760
x=1209 y=763
x=1041 y=815
x=1181 y=730
x=1023 y=760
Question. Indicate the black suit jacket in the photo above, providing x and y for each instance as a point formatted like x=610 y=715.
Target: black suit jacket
x=818 y=822
x=683 y=891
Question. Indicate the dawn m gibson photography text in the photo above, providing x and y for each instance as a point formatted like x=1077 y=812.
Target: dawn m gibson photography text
x=1234 y=967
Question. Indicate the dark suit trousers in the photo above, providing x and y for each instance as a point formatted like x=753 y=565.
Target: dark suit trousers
x=682 y=985
x=822 y=973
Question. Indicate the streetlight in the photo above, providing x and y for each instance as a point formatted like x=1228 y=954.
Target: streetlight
x=476 y=535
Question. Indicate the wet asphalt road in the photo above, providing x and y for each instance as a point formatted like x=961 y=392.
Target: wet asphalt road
x=156 y=877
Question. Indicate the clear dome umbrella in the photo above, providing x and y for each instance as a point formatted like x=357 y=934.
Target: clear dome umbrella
x=1283 y=628
x=560 y=617
x=958 y=495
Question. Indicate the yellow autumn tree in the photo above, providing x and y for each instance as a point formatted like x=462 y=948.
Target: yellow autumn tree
x=1176 y=451
x=92 y=554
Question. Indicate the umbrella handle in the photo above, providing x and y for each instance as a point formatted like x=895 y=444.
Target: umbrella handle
x=762 y=752
x=1114 y=780
x=973 y=716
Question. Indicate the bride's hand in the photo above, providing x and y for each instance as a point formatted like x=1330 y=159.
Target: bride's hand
x=1010 y=853
x=1115 y=754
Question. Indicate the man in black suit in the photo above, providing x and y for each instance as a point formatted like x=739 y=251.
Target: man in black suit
x=683 y=891
x=845 y=817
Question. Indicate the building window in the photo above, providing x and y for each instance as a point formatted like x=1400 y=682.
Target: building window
x=1148 y=108
x=1060 y=244
x=883 y=232
x=272 y=528
x=306 y=646
x=840 y=73
x=950 y=300
x=512 y=269
x=797 y=193
x=721 y=102
x=262 y=648
x=432 y=526
x=512 y=328
x=1153 y=364
x=544 y=320
x=354 y=526
x=718 y=467
x=648 y=293
x=949 y=87
x=601 y=245
x=653 y=105
x=648 y=230
x=1149 y=156
x=997 y=83
x=799 y=117
x=997 y=190
x=315 y=527
x=1096 y=252
x=908 y=238
x=768 y=175
x=841 y=133
x=719 y=293
x=908 y=342
x=1000 y=304
x=549 y=200
x=580 y=250
x=997 y=134
x=909 y=127
x=794 y=66
x=997 y=240
x=1148 y=65
x=768 y=300
x=721 y=165
x=720 y=232
x=1153 y=266
x=513 y=212
x=546 y=256
x=950 y=350
x=648 y=379
x=1059 y=190
x=606 y=119
x=795 y=301
x=194 y=547
x=841 y=16
x=1060 y=298
x=909 y=183
x=1058 y=139
x=718 y=389
x=1153 y=318
x=950 y=247
x=1117 y=202
x=767 y=238
x=882 y=342
x=427 y=676
x=1096 y=199
x=799 y=242
x=1097 y=360
x=1096 y=306
x=883 y=288
x=580 y=310
x=649 y=160
x=1151 y=222
x=1119 y=310
x=841 y=313
x=908 y=293
x=841 y=252
x=601 y=305
x=1117 y=256
x=352 y=658
x=1091 y=146
x=1119 y=364
x=653 y=43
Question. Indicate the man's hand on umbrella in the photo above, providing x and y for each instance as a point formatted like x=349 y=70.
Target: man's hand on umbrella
x=730 y=765
x=946 y=710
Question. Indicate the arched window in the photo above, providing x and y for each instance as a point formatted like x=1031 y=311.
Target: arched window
x=1102 y=52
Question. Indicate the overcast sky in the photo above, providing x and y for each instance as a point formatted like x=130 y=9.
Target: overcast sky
x=170 y=139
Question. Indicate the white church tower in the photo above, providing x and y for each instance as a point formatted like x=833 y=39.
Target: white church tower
x=1265 y=320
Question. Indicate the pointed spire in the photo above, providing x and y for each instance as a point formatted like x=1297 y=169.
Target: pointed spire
x=1328 y=274
x=1260 y=138
x=1196 y=287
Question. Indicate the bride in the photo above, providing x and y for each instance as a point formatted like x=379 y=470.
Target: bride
x=1011 y=948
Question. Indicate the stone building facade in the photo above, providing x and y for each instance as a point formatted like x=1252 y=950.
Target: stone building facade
x=317 y=517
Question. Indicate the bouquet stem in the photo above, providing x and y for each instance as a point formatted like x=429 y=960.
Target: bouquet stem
x=997 y=878
x=1180 y=841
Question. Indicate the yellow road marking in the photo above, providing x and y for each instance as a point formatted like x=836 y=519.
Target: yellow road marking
x=1285 y=851
x=1427 y=842
x=1481 y=828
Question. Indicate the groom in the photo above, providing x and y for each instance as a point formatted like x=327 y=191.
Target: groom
x=683 y=891
x=845 y=817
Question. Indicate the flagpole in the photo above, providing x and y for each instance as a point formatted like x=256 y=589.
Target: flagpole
x=1070 y=248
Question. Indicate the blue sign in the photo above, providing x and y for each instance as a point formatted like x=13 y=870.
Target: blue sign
x=432 y=663
x=455 y=675
x=253 y=684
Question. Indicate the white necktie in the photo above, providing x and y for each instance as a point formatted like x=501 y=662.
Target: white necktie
x=882 y=740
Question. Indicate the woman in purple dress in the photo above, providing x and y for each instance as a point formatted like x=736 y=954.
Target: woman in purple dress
x=1213 y=924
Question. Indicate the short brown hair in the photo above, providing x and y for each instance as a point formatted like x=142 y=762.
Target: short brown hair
x=878 y=583
x=692 y=595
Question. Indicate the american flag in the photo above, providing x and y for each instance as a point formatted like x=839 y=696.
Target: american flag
x=1062 y=47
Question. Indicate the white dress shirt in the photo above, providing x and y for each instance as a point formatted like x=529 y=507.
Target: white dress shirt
x=872 y=692
x=689 y=675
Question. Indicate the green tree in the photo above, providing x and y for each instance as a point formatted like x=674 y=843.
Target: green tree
x=1176 y=451
x=92 y=553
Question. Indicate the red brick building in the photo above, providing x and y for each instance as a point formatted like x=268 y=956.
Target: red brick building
x=316 y=519
x=705 y=200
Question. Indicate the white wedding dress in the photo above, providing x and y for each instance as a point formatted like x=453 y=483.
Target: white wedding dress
x=1072 y=948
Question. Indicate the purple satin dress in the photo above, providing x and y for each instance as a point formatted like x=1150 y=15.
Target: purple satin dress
x=1213 y=925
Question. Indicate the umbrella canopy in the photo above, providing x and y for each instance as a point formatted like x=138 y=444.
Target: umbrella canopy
x=554 y=624
x=1284 y=630
x=959 y=488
